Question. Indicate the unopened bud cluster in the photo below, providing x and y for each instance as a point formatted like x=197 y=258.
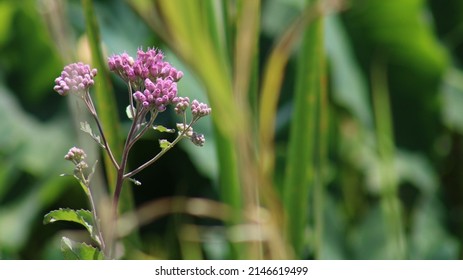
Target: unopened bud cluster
x=198 y=139
x=199 y=109
x=181 y=103
x=75 y=78
x=77 y=156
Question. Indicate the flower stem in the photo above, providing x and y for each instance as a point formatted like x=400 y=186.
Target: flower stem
x=88 y=101
x=120 y=177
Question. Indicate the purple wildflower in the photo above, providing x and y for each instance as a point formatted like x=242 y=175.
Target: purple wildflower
x=148 y=65
x=75 y=78
x=151 y=64
x=123 y=66
x=181 y=103
x=157 y=95
x=199 y=109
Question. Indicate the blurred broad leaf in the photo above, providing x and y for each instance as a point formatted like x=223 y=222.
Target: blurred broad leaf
x=34 y=158
x=79 y=251
x=400 y=33
x=349 y=84
x=23 y=62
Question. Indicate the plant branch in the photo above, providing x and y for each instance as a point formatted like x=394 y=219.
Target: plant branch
x=143 y=131
x=88 y=101
x=161 y=153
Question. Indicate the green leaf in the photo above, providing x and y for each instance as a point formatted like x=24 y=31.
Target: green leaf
x=300 y=167
x=161 y=128
x=164 y=144
x=79 y=251
x=350 y=87
x=85 y=127
x=83 y=217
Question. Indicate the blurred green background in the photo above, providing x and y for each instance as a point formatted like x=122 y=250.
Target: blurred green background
x=336 y=130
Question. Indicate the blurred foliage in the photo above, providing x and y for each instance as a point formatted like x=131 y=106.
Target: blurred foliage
x=365 y=100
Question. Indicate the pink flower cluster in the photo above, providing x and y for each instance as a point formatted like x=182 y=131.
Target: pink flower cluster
x=75 y=78
x=75 y=155
x=181 y=103
x=157 y=95
x=198 y=139
x=155 y=79
x=199 y=109
x=122 y=65
x=148 y=65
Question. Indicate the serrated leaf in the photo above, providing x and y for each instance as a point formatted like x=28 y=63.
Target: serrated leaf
x=79 y=251
x=161 y=128
x=83 y=217
x=85 y=127
x=164 y=144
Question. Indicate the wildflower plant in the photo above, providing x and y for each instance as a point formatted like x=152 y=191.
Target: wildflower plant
x=152 y=88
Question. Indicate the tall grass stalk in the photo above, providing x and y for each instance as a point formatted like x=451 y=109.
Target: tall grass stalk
x=300 y=169
x=245 y=56
x=390 y=202
x=321 y=154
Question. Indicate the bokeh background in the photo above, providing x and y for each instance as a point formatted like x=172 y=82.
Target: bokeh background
x=336 y=130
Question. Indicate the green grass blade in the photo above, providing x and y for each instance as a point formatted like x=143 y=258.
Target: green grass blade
x=321 y=155
x=300 y=172
x=272 y=80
